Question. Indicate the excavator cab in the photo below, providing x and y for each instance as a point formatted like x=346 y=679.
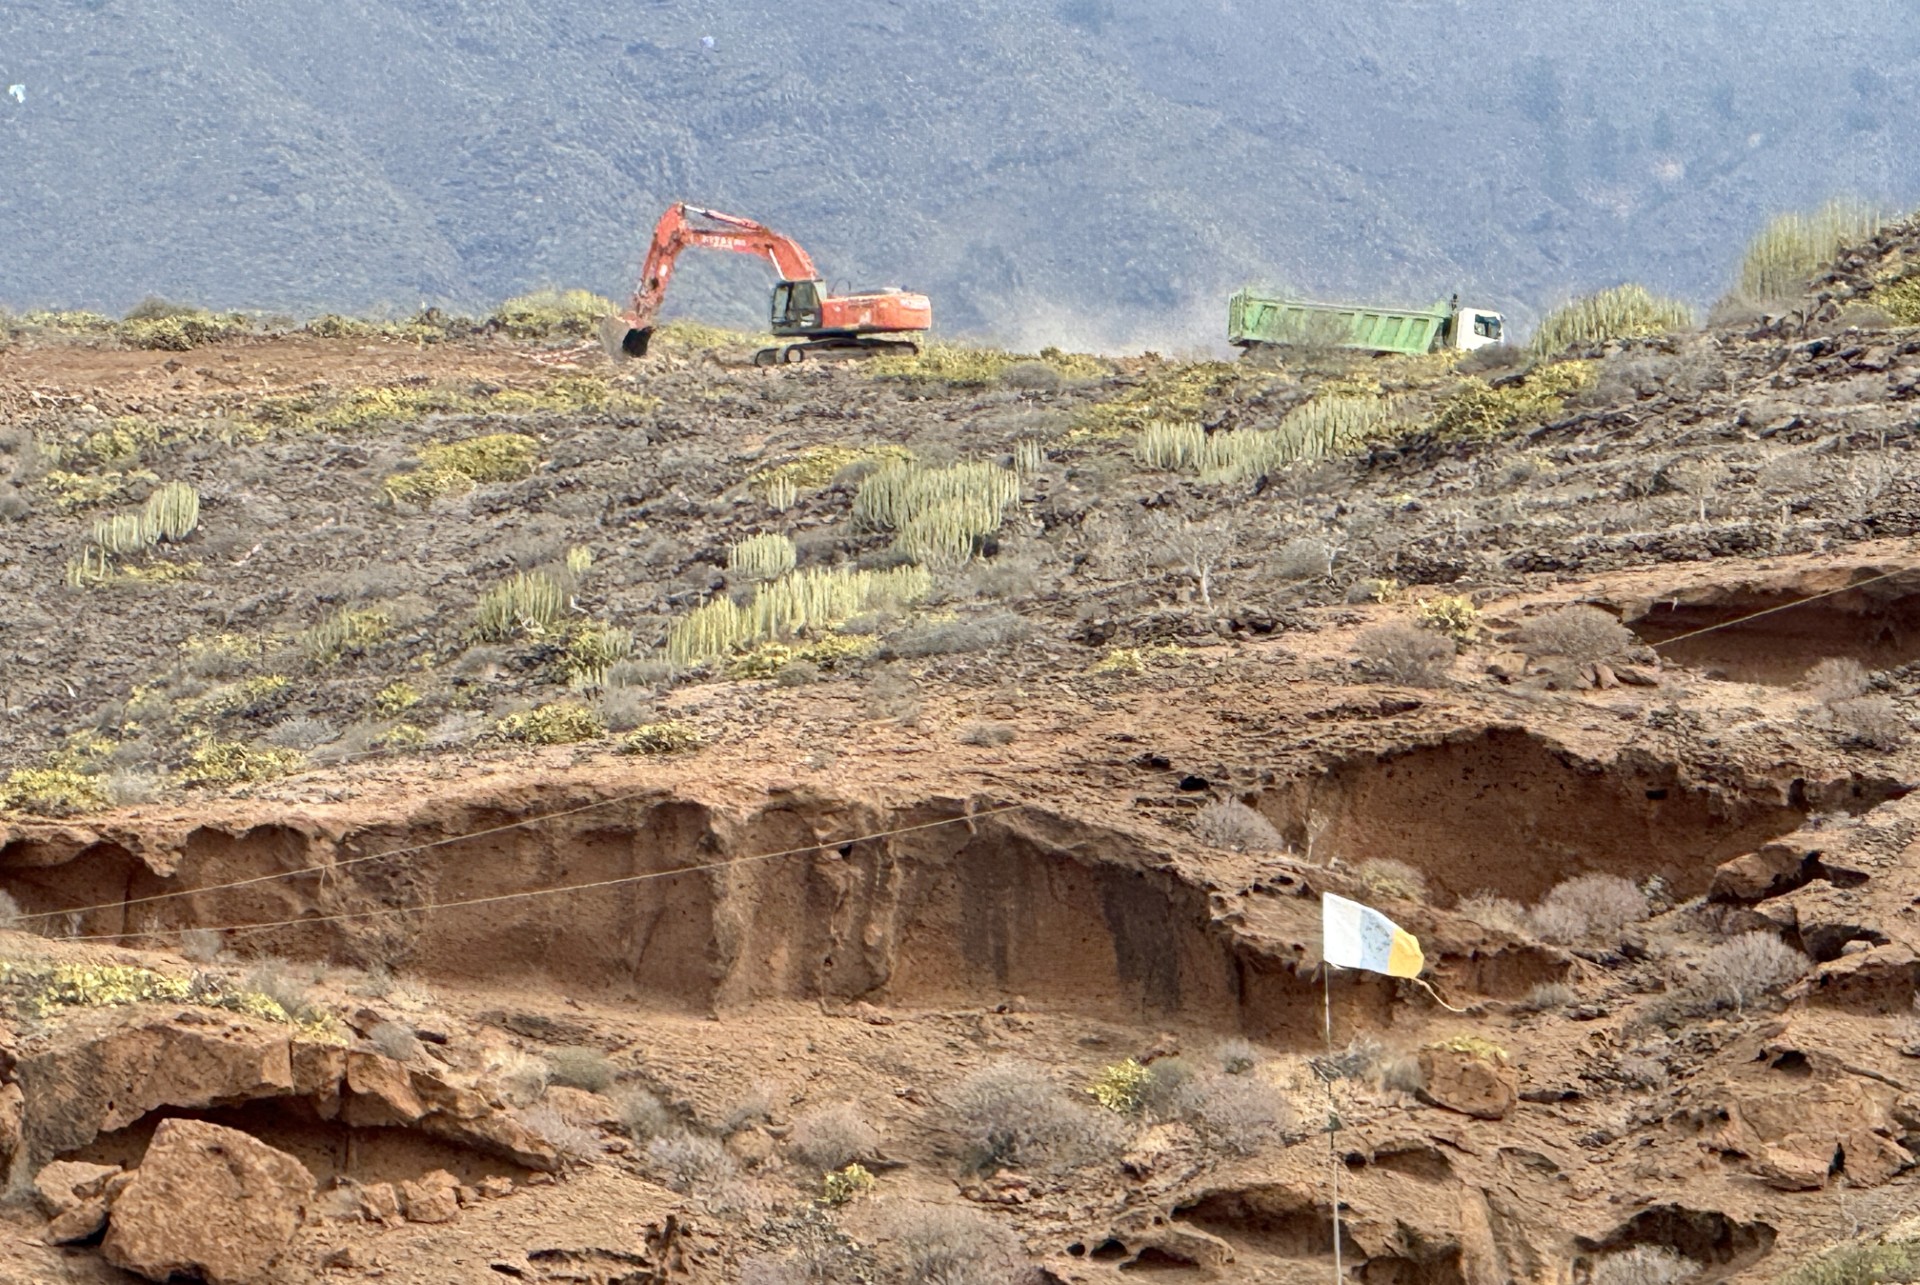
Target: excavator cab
x=796 y=307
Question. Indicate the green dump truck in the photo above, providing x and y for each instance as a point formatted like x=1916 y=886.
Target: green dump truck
x=1255 y=321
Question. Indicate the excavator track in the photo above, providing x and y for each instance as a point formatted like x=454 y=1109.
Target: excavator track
x=838 y=348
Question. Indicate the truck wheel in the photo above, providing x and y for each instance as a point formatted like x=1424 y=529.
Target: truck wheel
x=793 y=355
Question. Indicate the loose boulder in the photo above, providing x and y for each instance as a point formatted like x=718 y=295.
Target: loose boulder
x=208 y=1203
x=1462 y=1076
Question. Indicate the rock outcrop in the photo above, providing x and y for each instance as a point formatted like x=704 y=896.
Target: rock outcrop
x=210 y=1203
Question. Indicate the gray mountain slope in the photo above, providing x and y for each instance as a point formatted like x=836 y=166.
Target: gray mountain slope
x=1080 y=171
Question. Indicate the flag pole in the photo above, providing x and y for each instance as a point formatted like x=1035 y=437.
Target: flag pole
x=1333 y=1116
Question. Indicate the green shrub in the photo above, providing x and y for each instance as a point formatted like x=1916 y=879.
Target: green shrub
x=553 y=313
x=451 y=468
x=173 y=511
x=1793 y=247
x=843 y=1185
x=593 y=649
x=1479 y=411
x=1624 y=312
x=1859 y=1262
x=123 y=533
x=960 y=366
x=182 y=331
x=52 y=791
x=761 y=557
x=1451 y=614
x=396 y=698
x=668 y=737
x=559 y=723
x=816 y=466
x=70 y=322
x=347 y=632
x=813 y=599
x=219 y=763
x=1123 y=1087
x=938 y=515
x=527 y=603
x=1900 y=298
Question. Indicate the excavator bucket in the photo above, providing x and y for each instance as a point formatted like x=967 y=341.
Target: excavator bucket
x=622 y=340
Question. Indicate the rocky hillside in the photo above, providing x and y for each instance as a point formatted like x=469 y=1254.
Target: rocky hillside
x=1101 y=170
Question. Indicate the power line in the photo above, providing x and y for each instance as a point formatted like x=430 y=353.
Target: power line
x=527 y=894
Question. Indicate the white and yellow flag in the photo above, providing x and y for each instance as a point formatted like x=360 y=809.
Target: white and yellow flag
x=1357 y=936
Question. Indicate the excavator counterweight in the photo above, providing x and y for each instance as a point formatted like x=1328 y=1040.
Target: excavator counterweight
x=872 y=322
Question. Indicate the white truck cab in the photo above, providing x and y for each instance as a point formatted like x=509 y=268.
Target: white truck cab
x=1475 y=328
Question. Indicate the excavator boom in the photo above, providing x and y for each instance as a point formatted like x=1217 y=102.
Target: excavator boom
x=801 y=306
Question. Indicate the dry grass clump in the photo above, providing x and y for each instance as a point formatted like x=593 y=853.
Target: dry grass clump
x=688 y=1162
x=1387 y=877
x=833 y=1137
x=1547 y=997
x=1580 y=634
x=1238 y=1114
x=572 y=1141
x=1748 y=968
x=347 y=632
x=987 y=734
x=947 y=1245
x=1499 y=914
x=1010 y=1115
x=1589 y=908
x=1624 y=312
x=953 y=637
x=1405 y=653
x=1644 y=1265
x=1867 y=722
x=1838 y=678
x=1231 y=824
x=576 y=1067
x=642 y=1114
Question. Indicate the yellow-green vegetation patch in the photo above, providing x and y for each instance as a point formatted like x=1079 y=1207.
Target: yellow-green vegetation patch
x=213 y=764
x=51 y=792
x=349 y=631
x=250 y=697
x=817 y=599
x=184 y=330
x=669 y=736
x=963 y=366
x=1136 y=660
x=46 y=988
x=396 y=698
x=72 y=492
x=365 y=409
x=1624 y=312
x=1874 y=1260
x=70 y=322
x=401 y=736
x=843 y=1185
x=1473 y=1046
x=1451 y=614
x=548 y=314
x=559 y=723
x=527 y=602
x=761 y=557
x=818 y=465
x=1172 y=392
x=1480 y=411
x=830 y=652
x=593 y=648
x=451 y=468
x=222 y=651
x=1899 y=297
x=694 y=336
x=1122 y=1088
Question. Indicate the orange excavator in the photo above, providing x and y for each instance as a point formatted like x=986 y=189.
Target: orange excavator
x=874 y=322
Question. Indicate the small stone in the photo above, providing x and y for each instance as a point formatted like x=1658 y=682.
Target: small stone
x=65 y=1183
x=468 y=1196
x=82 y=1221
x=380 y=1202
x=493 y=1188
x=429 y=1202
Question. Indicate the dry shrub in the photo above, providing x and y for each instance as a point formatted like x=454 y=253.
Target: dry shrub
x=1594 y=907
x=1302 y=558
x=642 y=1114
x=1231 y=824
x=1238 y=1114
x=987 y=734
x=688 y=1162
x=1010 y=1115
x=1547 y=997
x=945 y=1245
x=1400 y=1073
x=521 y=1077
x=276 y=980
x=1838 y=678
x=1032 y=377
x=754 y=1107
x=1406 y=654
x=955 y=636
x=1498 y=914
x=1868 y=722
x=201 y=945
x=1644 y=1265
x=1581 y=634
x=394 y=1040
x=1386 y=877
x=580 y=1068
x=1235 y=1056
x=572 y=1141
x=1748 y=968
x=833 y=1137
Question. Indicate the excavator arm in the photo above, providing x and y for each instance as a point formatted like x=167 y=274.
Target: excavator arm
x=683 y=225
